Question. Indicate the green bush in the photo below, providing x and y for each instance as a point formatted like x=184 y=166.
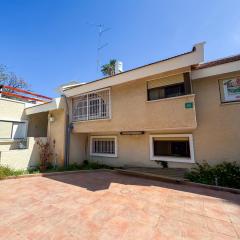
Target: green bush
x=226 y=174
x=6 y=171
x=74 y=166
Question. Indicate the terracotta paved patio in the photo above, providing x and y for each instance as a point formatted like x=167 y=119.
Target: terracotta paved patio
x=104 y=205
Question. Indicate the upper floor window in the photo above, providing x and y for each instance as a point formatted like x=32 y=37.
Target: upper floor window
x=230 y=90
x=90 y=106
x=168 y=87
x=166 y=91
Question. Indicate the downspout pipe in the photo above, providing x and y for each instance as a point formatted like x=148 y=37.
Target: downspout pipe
x=67 y=133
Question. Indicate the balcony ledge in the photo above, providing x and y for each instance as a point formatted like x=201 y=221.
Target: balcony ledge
x=171 y=98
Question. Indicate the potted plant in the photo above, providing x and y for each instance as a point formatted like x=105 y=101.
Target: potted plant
x=45 y=153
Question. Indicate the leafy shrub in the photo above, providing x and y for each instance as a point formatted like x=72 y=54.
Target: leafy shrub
x=6 y=171
x=45 y=153
x=226 y=174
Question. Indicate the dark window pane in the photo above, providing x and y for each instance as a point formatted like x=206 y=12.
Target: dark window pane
x=155 y=93
x=174 y=90
x=180 y=149
x=171 y=148
x=162 y=148
x=166 y=92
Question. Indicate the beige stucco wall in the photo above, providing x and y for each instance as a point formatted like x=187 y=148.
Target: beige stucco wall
x=217 y=137
x=22 y=158
x=37 y=124
x=78 y=148
x=56 y=132
x=12 y=110
x=132 y=111
x=133 y=151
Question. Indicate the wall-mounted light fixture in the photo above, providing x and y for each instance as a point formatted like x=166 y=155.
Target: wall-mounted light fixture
x=51 y=118
x=132 y=132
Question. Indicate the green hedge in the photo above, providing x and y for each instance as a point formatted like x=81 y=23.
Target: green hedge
x=226 y=174
x=6 y=171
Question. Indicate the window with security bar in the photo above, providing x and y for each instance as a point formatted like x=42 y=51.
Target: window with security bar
x=91 y=106
x=103 y=146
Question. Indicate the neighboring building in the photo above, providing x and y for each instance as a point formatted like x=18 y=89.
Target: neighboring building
x=178 y=110
x=21 y=127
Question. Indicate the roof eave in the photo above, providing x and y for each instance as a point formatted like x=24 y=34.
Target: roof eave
x=193 y=57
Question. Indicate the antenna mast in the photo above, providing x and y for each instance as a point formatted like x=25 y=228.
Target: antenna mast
x=101 y=29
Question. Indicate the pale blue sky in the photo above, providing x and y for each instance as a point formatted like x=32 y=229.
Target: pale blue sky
x=49 y=42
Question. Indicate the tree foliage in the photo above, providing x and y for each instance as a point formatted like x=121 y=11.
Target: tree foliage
x=11 y=79
x=109 y=68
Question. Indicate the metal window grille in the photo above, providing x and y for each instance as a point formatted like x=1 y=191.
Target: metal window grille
x=91 y=106
x=103 y=146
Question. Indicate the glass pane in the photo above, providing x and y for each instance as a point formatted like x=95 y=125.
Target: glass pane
x=155 y=93
x=171 y=148
x=174 y=91
x=19 y=130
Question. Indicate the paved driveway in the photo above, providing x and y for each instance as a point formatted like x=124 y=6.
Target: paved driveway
x=104 y=205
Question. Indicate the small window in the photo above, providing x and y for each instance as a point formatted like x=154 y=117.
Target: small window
x=166 y=91
x=103 y=146
x=177 y=148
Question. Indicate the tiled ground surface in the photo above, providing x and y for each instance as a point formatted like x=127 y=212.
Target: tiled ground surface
x=104 y=205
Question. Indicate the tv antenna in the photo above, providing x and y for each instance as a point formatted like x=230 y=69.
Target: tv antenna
x=101 y=30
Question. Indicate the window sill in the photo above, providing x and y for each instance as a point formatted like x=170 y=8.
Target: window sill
x=172 y=159
x=2 y=140
x=171 y=98
x=229 y=103
x=91 y=120
x=103 y=155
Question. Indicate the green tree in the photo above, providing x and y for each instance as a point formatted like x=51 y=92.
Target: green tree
x=109 y=68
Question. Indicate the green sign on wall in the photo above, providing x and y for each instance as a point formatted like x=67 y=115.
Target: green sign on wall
x=188 y=105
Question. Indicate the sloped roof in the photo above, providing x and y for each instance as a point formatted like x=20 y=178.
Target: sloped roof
x=217 y=62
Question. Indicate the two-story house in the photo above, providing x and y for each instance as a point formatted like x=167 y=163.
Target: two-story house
x=178 y=110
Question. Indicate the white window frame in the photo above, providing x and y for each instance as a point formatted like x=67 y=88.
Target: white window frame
x=15 y=121
x=104 y=154
x=172 y=159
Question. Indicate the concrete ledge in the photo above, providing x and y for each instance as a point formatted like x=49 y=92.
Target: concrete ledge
x=176 y=180
x=53 y=173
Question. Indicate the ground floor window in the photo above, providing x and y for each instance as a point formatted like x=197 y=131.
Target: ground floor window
x=13 y=130
x=172 y=147
x=103 y=146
